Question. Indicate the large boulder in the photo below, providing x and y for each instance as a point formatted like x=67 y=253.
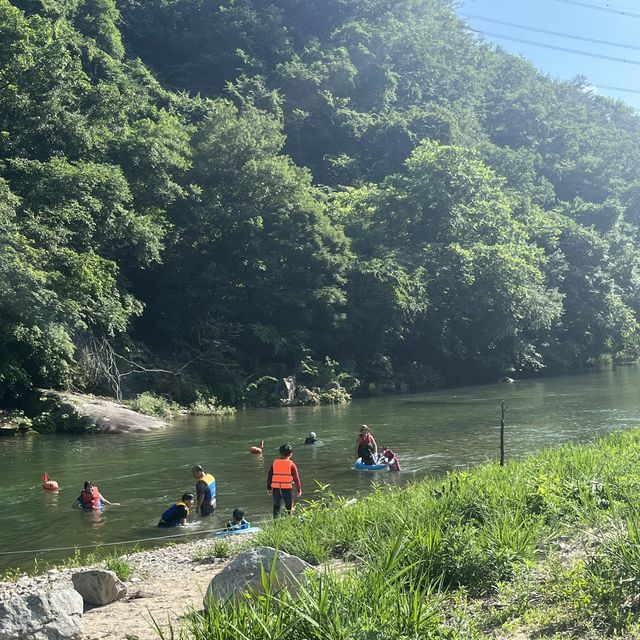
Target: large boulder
x=98 y=586
x=305 y=397
x=104 y=415
x=54 y=614
x=244 y=573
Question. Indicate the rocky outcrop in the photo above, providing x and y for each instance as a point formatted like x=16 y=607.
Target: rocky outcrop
x=305 y=397
x=104 y=415
x=244 y=573
x=286 y=388
x=53 y=614
x=98 y=586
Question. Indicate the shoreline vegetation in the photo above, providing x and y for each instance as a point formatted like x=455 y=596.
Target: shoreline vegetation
x=544 y=547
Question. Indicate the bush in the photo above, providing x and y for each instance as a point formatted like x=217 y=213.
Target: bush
x=208 y=406
x=120 y=566
x=153 y=405
x=217 y=549
x=335 y=396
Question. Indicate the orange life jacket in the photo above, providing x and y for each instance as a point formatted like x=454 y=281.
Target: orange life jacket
x=282 y=477
x=91 y=499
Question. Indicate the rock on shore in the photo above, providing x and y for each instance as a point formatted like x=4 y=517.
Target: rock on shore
x=106 y=416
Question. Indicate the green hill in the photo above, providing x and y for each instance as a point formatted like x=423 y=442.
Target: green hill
x=196 y=197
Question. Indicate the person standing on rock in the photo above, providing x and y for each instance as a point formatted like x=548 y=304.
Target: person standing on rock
x=282 y=476
x=205 y=491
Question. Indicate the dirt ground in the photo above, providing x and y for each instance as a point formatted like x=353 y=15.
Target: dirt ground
x=164 y=594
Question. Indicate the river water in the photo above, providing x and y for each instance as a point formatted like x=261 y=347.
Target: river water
x=431 y=433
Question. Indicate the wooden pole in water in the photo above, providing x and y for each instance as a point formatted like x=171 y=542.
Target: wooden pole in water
x=503 y=411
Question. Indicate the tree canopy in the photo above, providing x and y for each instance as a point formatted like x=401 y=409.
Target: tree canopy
x=247 y=188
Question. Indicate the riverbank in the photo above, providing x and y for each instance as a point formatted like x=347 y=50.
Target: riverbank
x=164 y=583
x=548 y=547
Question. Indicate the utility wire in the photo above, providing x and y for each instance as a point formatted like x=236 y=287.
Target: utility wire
x=98 y=545
x=557 y=48
x=551 y=33
x=604 y=86
x=588 y=5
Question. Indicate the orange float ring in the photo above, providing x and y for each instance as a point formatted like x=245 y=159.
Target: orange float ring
x=257 y=450
x=49 y=485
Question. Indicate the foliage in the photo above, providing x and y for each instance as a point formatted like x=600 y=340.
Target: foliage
x=154 y=405
x=208 y=406
x=119 y=565
x=220 y=549
x=293 y=183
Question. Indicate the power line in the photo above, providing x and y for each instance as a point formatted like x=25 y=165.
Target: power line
x=557 y=48
x=588 y=5
x=607 y=87
x=552 y=33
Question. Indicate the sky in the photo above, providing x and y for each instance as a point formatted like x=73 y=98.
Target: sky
x=619 y=23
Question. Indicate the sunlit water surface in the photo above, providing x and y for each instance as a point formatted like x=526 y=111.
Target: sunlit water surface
x=431 y=433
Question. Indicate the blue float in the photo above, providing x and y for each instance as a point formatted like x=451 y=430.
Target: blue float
x=232 y=532
x=370 y=467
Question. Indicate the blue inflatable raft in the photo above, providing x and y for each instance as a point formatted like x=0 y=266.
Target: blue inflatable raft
x=370 y=467
x=232 y=532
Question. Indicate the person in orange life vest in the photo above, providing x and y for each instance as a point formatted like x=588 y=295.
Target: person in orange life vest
x=176 y=515
x=283 y=474
x=91 y=498
x=205 y=491
x=365 y=438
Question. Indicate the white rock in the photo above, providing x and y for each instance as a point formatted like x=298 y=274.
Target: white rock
x=244 y=573
x=41 y=615
x=98 y=587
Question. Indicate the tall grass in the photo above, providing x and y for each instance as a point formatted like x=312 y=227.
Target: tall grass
x=377 y=601
x=557 y=536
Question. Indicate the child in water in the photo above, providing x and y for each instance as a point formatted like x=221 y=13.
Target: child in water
x=238 y=521
x=176 y=515
x=390 y=459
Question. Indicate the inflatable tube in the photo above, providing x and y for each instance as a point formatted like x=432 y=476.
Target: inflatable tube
x=370 y=467
x=232 y=532
x=49 y=485
x=257 y=451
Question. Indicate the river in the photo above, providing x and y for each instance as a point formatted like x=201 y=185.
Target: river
x=431 y=433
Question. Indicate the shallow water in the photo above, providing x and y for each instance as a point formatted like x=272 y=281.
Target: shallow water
x=431 y=433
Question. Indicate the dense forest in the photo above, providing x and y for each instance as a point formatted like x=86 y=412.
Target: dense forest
x=198 y=197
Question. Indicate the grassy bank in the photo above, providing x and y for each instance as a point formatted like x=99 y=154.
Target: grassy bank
x=544 y=548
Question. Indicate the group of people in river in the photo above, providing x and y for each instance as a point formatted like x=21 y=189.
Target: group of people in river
x=282 y=478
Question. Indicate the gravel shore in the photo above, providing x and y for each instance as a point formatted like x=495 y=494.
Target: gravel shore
x=167 y=582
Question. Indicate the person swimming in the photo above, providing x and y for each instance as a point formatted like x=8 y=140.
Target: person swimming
x=91 y=498
x=176 y=515
x=311 y=438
